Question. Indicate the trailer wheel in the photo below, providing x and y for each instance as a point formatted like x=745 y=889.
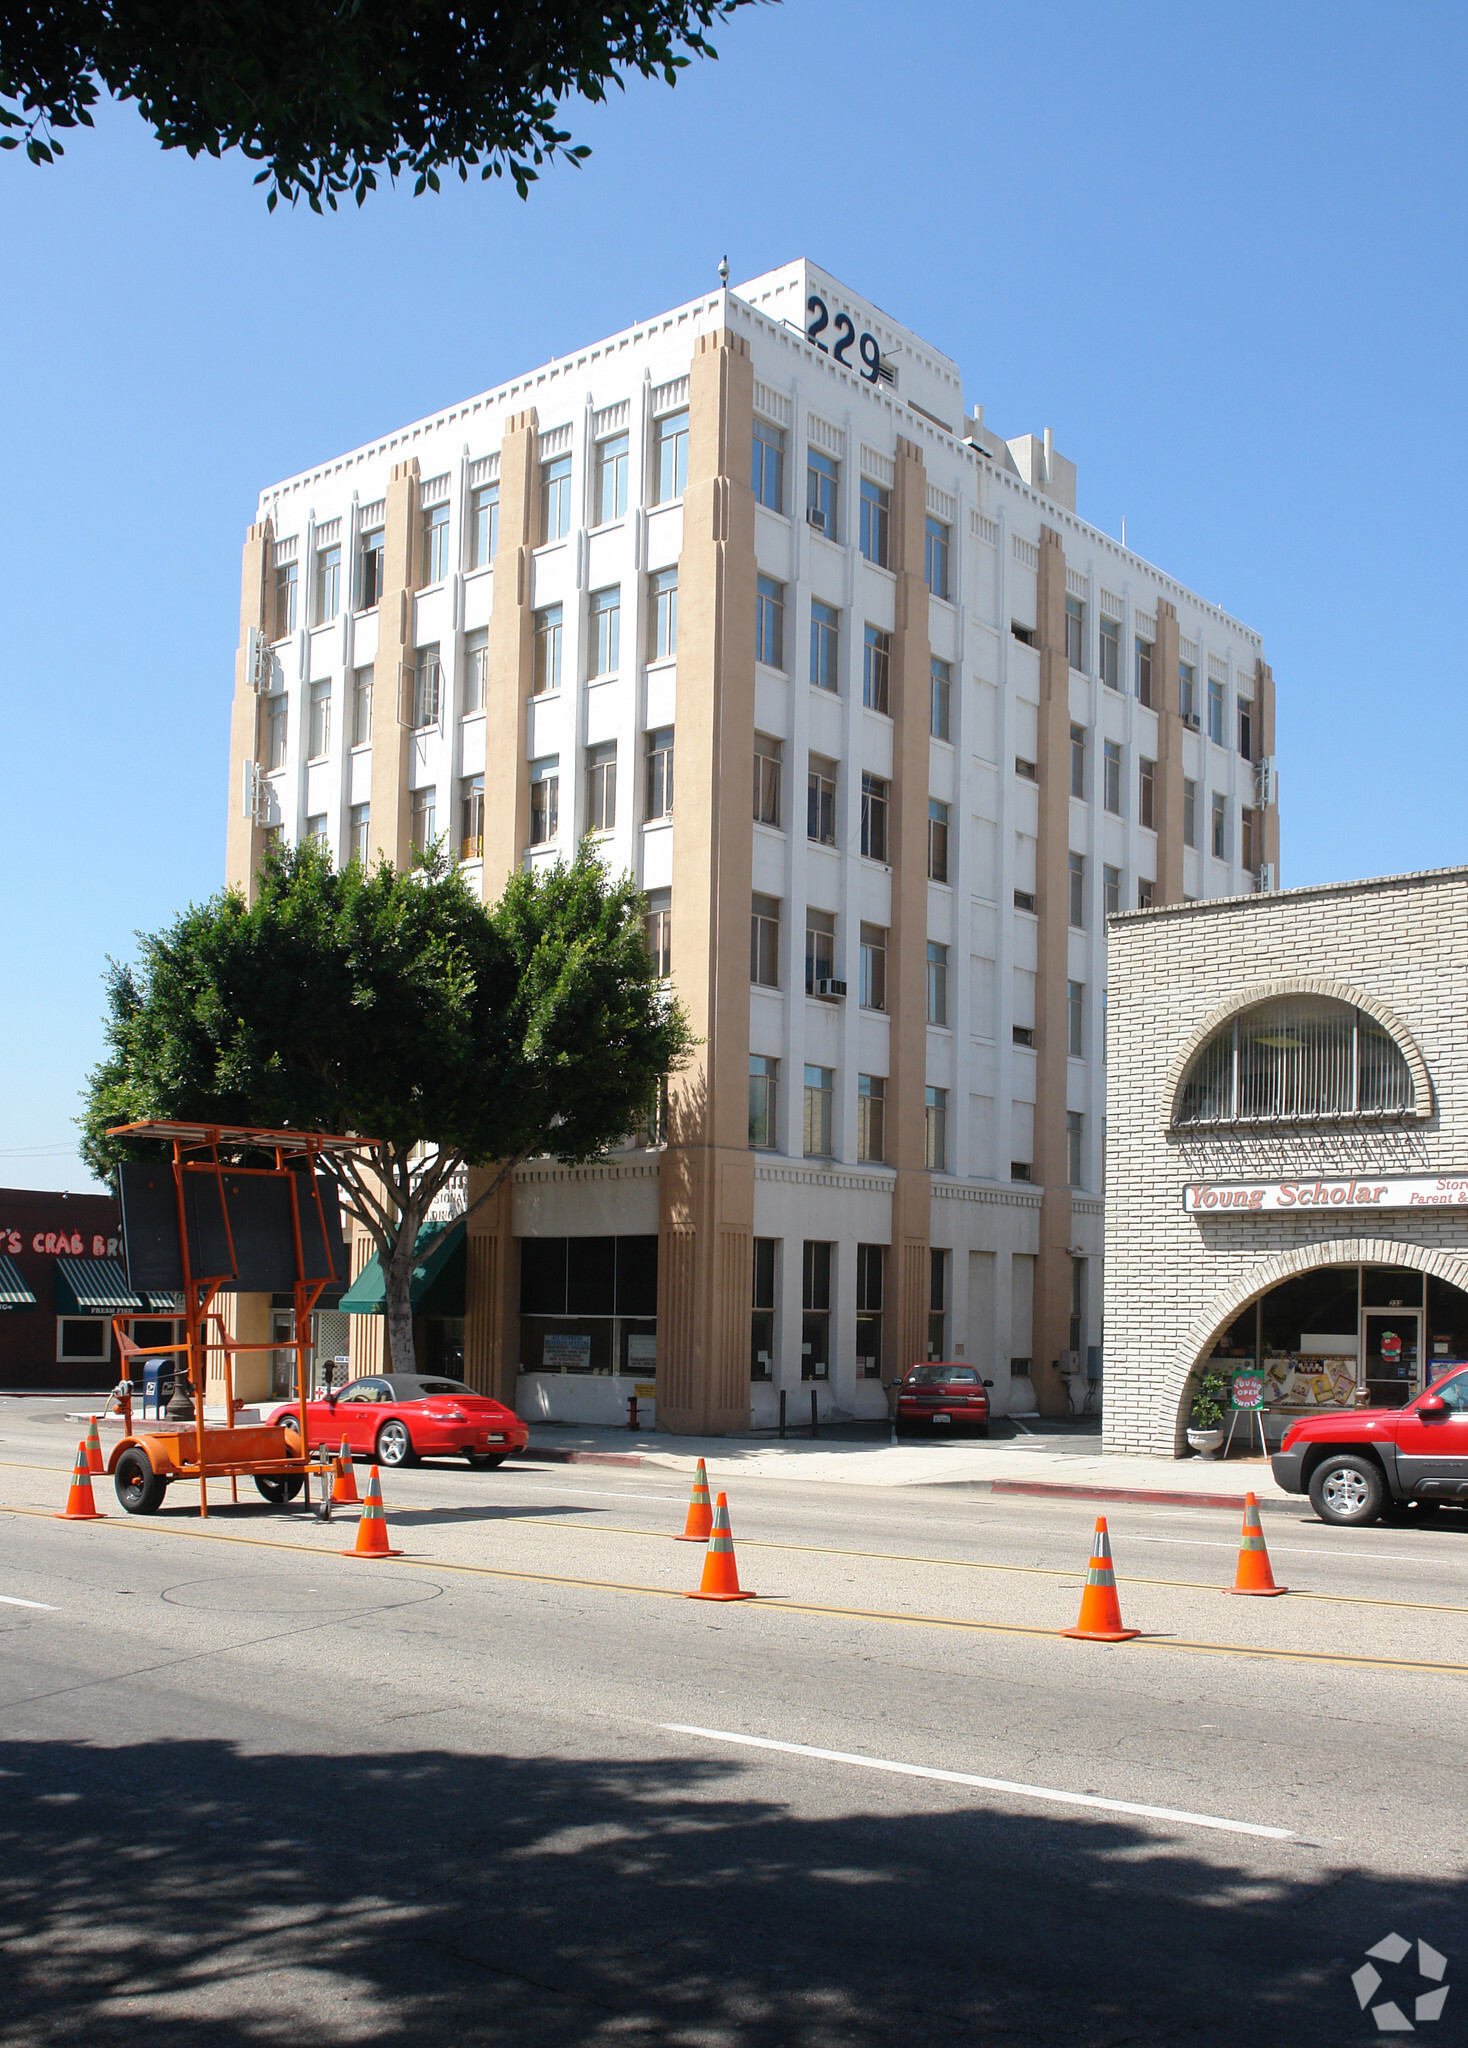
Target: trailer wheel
x=139 y=1488
x=279 y=1487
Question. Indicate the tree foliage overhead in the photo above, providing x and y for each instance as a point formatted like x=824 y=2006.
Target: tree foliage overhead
x=326 y=94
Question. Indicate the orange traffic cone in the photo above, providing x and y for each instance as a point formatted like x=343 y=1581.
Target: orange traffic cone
x=720 y=1579
x=94 y=1448
x=1254 y=1575
x=344 y=1487
x=1100 y=1616
x=699 y=1526
x=80 y=1507
x=372 y=1529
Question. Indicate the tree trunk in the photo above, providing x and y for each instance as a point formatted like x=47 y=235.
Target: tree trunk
x=397 y=1304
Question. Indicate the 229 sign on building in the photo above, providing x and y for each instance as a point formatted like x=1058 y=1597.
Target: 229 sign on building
x=868 y=347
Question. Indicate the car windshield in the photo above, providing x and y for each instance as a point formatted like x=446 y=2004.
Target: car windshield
x=942 y=1376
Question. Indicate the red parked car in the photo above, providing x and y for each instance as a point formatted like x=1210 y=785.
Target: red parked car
x=1359 y=1463
x=942 y=1396
x=397 y=1417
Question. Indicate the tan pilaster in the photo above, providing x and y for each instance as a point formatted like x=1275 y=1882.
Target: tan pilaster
x=1263 y=750
x=243 y=839
x=706 y=1176
x=366 y=1335
x=510 y=655
x=907 y=958
x=1168 y=795
x=1052 y=902
x=491 y=1295
x=392 y=704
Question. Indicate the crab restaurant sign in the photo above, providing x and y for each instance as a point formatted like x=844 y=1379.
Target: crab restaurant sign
x=1334 y=1192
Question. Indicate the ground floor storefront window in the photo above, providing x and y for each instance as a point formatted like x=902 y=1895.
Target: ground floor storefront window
x=589 y=1305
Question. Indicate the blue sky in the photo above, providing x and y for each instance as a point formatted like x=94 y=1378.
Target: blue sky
x=1220 y=251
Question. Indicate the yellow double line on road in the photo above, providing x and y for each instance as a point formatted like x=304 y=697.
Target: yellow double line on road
x=779 y=1606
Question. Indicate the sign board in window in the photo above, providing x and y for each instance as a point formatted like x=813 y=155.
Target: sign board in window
x=642 y=1352
x=566 y=1351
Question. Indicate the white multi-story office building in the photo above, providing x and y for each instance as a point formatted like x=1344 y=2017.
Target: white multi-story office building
x=884 y=730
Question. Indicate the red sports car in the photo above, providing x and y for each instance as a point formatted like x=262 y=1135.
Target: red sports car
x=398 y=1417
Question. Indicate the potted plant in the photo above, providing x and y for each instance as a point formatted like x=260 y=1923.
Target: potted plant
x=1205 y=1432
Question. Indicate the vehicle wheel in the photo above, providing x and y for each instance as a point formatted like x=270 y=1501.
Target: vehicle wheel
x=1347 y=1491
x=279 y=1487
x=139 y=1487
x=483 y=1461
x=394 y=1445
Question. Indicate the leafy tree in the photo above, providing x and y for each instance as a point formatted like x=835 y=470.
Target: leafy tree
x=327 y=93
x=395 y=1008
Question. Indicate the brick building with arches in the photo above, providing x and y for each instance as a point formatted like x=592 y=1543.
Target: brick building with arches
x=1287 y=1147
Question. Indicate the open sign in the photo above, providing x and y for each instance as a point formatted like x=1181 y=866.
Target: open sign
x=1247 y=1391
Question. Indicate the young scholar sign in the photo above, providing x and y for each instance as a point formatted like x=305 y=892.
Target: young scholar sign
x=1332 y=1191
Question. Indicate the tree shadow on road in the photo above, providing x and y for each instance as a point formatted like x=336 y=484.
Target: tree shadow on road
x=193 y=1893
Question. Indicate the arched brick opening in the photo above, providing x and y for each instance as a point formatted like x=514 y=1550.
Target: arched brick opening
x=1230 y=1301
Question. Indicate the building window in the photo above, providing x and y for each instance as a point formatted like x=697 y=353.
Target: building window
x=1145 y=892
x=359 y=821
x=1075 y=633
x=423 y=818
x=937 y=840
x=285 y=599
x=820 y=949
x=601 y=787
x=767 y=476
x=328 y=582
x=276 y=713
x=876 y=521
x=1074 y=1134
x=659 y=798
x=1078 y=760
x=822 y=479
x=427 y=686
x=937 y=983
x=815 y=1304
x=940 y=692
x=820 y=801
x=1187 y=693
x=769 y=622
x=871 y=1261
x=555 y=499
x=658 y=924
x=766 y=780
x=1077 y=1300
x=873 y=983
x=545 y=799
x=764 y=1101
x=1110 y=651
x=1297 y=1059
x=318 y=722
x=825 y=625
x=1024 y=634
x=611 y=479
x=670 y=455
x=1023 y=1034
x=762 y=1311
x=1146 y=787
x=764 y=942
x=871 y=1119
x=1111 y=889
x=937 y=1302
x=1078 y=891
x=547 y=662
x=1075 y=1019
x=370 y=562
x=471 y=818
x=875 y=793
x=935 y=1130
x=936 y=539
x=1246 y=728
x=1111 y=777
x=83 y=1339
x=1219 y=836
x=876 y=669
x=1216 y=711
x=1248 y=851
x=662 y=615
x=435 y=543
x=362 y=706
x=484 y=525
x=820 y=1087
x=1144 y=671
x=316 y=831
x=652 y=1128
x=476 y=670
x=606 y=632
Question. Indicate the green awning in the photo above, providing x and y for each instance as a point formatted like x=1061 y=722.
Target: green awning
x=364 y=1296
x=94 y=1287
x=13 y=1291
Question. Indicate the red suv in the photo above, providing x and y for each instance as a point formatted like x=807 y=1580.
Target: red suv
x=1358 y=1463
x=942 y=1396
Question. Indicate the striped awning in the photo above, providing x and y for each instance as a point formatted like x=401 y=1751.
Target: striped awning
x=94 y=1287
x=13 y=1291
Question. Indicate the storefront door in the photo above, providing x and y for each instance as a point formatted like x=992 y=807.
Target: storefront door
x=1391 y=1346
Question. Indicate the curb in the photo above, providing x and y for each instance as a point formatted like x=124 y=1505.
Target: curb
x=1153 y=1496
x=558 y=1457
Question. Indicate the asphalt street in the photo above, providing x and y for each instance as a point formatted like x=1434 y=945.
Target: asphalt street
x=512 y=1788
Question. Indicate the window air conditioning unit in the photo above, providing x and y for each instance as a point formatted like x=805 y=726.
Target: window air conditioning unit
x=830 y=988
x=1268 y=780
x=1265 y=878
x=1192 y=721
x=816 y=518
